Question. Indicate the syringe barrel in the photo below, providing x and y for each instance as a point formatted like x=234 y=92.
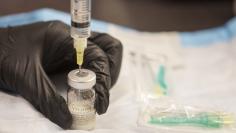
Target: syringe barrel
x=80 y=18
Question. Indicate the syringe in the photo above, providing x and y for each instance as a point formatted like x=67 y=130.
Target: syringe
x=80 y=26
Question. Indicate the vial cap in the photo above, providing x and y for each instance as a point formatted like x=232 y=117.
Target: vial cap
x=82 y=79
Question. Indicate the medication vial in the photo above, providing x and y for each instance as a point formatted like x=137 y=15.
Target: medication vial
x=81 y=98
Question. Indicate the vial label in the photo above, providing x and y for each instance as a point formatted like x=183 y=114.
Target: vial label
x=84 y=115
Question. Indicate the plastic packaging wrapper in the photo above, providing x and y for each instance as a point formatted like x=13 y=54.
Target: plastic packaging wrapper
x=168 y=115
x=159 y=110
x=150 y=75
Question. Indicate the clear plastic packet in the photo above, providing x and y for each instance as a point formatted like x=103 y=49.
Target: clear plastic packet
x=158 y=110
x=165 y=114
x=150 y=75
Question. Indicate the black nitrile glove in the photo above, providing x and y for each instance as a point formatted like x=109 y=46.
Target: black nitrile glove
x=29 y=53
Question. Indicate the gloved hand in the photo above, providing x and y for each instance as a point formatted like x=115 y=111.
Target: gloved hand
x=29 y=53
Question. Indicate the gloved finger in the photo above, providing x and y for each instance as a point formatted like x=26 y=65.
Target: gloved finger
x=53 y=105
x=59 y=53
x=113 y=49
x=97 y=61
x=32 y=83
